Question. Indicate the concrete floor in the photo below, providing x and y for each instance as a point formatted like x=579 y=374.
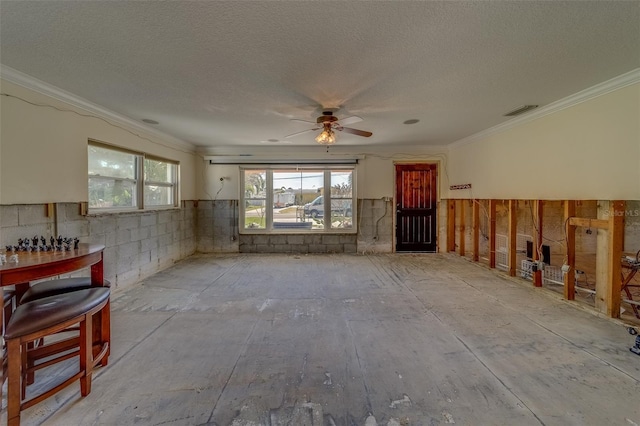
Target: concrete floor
x=433 y=339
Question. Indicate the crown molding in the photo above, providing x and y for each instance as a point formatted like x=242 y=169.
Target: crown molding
x=16 y=77
x=616 y=83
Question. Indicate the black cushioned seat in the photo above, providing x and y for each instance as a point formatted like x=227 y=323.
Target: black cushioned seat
x=55 y=287
x=46 y=312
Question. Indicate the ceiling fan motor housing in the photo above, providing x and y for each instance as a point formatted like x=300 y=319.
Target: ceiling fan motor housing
x=326 y=117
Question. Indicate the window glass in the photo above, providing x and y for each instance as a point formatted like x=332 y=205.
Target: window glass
x=290 y=200
x=112 y=179
x=126 y=180
x=159 y=183
x=292 y=190
x=255 y=197
x=341 y=199
x=110 y=163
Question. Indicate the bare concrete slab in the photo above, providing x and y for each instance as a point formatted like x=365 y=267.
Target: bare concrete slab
x=248 y=340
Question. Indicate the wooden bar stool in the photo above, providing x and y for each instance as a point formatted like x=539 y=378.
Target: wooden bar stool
x=37 y=319
x=54 y=288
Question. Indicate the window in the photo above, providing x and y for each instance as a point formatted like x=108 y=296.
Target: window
x=159 y=183
x=126 y=180
x=282 y=199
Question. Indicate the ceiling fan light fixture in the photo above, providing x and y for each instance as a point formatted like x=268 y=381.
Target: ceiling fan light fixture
x=326 y=137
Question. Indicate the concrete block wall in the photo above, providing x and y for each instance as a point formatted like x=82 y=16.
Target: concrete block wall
x=137 y=244
x=442 y=226
x=632 y=227
x=217 y=226
x=298 y=243
x=375 y=227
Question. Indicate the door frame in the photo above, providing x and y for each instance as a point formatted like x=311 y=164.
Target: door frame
x=438 y=164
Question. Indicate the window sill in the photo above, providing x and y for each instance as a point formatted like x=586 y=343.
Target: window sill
x=97 y=213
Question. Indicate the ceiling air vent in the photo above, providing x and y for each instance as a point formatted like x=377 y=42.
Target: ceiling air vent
x=520 y=110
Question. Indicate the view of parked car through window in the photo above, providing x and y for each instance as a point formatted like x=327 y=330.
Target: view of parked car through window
x=284 y=200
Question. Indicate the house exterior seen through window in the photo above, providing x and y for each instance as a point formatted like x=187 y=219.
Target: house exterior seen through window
x=293 y=200
x=127 y=180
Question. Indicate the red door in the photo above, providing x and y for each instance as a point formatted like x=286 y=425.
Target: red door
x=416 y=200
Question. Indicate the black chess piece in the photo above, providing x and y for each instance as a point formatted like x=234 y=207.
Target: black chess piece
x=52 y=241
x=43 y=240
x=59 y=240
x=9 y=248
x=34 y=241
x=75 y=243
x=20 y=242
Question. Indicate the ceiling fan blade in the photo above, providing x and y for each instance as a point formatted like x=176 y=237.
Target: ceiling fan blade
x=303 y=121
x=304 y=131
x=356 y=132
x=350 y=120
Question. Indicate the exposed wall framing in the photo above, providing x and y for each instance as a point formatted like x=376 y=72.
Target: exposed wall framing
x=567 y=232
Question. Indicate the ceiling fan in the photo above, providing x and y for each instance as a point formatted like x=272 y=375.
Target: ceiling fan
x=330 y=123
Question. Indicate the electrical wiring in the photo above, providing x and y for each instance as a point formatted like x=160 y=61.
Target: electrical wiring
x=155 y=142
x=380 y=218
x=8 y=95
x=219 y=190
x=562 y=242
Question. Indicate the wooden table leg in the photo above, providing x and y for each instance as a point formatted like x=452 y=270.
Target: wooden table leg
x=101 y=320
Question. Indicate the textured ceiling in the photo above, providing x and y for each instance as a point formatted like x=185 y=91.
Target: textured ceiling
x=218 y=73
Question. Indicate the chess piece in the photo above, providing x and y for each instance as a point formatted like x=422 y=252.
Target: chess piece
x=75 y=243
x=13 y=258
x=3 y=259
x=52 y=241
x=34 y=241
x=59 y=240
x=43 y=240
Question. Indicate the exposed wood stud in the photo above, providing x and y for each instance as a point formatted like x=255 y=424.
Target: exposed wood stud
x=537 y=208
x=451 y=225
x=50 y=209
x=461 y=245
x=569 y=277
x=492 y=233
x=616 y=239
x=513 y=229
x=589 y=223
x=476 y=230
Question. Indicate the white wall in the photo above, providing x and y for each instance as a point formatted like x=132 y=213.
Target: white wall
x=43 y=151
x=588 y=151
x=375 y=169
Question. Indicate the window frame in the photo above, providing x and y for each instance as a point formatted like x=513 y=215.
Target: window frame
x=326 y=169
x=140 y=183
